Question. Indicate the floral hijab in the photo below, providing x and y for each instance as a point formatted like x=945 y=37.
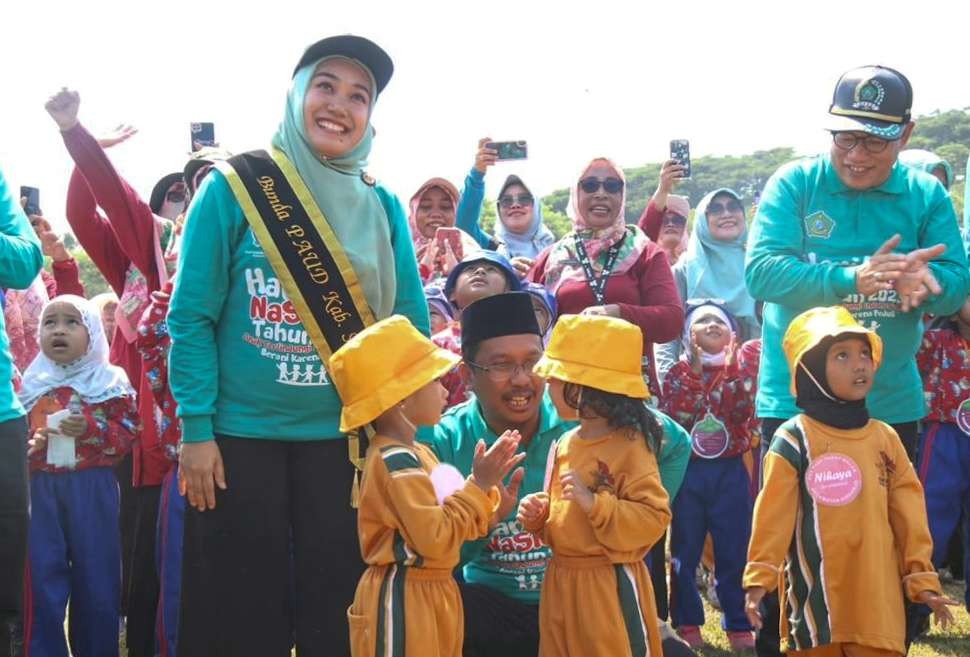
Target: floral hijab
x=563 y=263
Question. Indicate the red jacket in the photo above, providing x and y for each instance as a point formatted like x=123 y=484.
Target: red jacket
x=688 y=397
x=112 y=426
x=154 y=342
x=944 y=362
x=124 y=236
x=646 y=294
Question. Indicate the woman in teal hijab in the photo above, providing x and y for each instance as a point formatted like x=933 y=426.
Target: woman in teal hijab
x=712 y=267
x=929 y=162
x=264 y=465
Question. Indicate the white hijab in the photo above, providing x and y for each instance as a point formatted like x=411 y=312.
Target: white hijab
x=91 y=375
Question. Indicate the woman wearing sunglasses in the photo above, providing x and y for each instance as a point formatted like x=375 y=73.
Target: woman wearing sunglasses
x=664 y=220
x=605 y=267
x=713 y=267
x=520 y=233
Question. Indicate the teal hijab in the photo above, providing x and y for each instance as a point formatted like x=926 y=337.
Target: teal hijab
x=714 y=269
x=351 y=206
x=928 y=162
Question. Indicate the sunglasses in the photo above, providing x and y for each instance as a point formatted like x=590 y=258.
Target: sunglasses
x=520 y=199
x=730 y=207
x=175 y=196
x=593 y=185
x=674 y=219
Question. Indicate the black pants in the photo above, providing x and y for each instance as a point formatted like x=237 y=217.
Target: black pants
x=14 y=500
x=769 y=638
x=285 y=517
x=498 y=626
x=141 y=595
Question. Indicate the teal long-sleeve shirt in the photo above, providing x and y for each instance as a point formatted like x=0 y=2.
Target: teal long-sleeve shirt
x=511 y=560
x=469 y=212
x=20 y=262
x=811 y=233
x=241 y=363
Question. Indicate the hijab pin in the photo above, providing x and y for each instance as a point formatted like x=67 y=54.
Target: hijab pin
x=368 y=179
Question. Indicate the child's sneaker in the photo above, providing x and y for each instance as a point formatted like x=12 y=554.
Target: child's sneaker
x=691 y=634
x=741 y=641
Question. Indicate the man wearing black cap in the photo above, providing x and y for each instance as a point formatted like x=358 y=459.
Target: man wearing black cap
x=856 y=228
x=501 y=342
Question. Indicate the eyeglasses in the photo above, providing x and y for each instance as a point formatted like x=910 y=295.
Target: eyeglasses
x=592 y=185
x=674 y=219
x=521 y=199
x=730 y=207
x=175 y=196
x=847 y=141
x=502 y=372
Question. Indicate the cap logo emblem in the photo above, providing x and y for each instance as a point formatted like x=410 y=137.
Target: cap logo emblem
x=819 y=225
x=869 y=95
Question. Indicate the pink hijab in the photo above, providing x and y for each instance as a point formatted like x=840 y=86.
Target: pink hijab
x=563 y=262
x=420 y=241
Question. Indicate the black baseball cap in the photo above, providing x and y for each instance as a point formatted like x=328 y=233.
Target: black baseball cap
x=873 y=99
x=363 y=50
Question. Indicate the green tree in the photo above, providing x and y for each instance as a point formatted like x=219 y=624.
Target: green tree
x=91 y=278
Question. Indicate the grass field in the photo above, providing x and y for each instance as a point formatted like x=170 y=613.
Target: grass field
x=955 y=642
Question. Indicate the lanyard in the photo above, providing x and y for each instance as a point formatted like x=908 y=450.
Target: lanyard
x=597 y=283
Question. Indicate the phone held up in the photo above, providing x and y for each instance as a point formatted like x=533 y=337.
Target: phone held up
x=202 y=135
x=680 y=151
x=451 y=236
x=510 y=150
x=32 y=194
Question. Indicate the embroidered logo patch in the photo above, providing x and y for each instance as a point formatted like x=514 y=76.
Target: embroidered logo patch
x=602 y=478
x=887 y=469
x=869 y=95
x=820 y=225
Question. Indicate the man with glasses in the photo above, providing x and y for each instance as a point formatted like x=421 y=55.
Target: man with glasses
x=501 y=342
x=854 y=227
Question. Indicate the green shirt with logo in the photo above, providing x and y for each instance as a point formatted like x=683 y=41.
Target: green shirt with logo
x=809 y=235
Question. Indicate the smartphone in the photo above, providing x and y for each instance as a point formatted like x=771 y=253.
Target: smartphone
x=510 y=150
x=452 y=236
x=32 y=194
x=680 y=151
x=202 y=134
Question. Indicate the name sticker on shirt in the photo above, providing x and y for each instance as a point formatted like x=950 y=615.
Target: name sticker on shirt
x=963 y=416
x=834 y=480
x=709 y=437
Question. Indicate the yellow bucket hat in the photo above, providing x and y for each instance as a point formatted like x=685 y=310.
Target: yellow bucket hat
x=605 y=353
x=813 y=326
x=383 y=365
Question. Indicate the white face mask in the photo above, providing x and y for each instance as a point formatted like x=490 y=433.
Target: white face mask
x=171 y=210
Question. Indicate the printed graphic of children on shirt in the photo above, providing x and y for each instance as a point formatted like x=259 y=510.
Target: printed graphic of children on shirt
x=944 y=452
x=710 y=396
x=83 y=420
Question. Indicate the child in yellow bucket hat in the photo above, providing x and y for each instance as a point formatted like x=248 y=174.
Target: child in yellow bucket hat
x=839 y=486
x=604 y=506
x=412 y=520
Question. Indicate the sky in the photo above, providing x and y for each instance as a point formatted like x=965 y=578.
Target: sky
x=574 y=79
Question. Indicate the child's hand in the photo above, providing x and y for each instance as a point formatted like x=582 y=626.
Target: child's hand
x=509 y=495
x=489 y=467
x=38 y=443
x=752 y=605
x=938 y=603
x=730 y=351
x=696 y=360
x=532 y=508
x=73 y=426
x=574 y=490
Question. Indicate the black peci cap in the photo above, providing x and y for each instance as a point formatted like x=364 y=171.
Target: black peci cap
x=363 y=50
x=497 y=316
x=873 y=99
